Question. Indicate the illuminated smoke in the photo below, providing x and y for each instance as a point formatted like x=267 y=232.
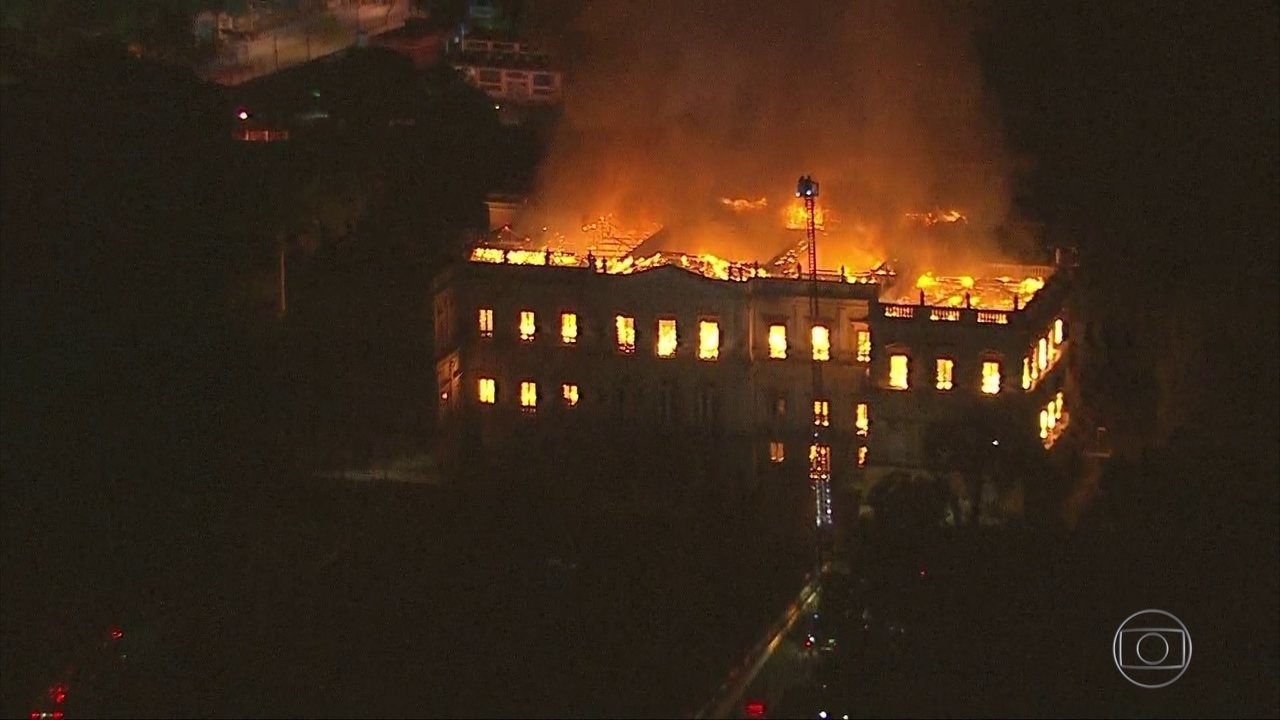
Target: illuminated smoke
x=673 y=106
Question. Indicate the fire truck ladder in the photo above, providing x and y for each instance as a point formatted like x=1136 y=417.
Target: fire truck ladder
x=820 y=446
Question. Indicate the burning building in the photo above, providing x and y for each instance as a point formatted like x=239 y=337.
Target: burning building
x=565 y=346
x=673 y=131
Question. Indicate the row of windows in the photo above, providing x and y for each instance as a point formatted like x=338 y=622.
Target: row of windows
x=487 y=393
x=944 y=374
x=668 y=336
x=819 y=456
x=822 y=415
x=707 y=404
x=1053 y=420
x=1044 y=354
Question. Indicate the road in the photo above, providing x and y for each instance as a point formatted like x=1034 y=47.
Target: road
x=776 y=664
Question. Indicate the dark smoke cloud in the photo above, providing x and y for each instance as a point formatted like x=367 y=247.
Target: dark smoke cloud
x=674 y=105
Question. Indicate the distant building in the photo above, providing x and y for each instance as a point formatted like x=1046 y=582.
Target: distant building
x=508 y=70
x=420 y=42
x=494 y=15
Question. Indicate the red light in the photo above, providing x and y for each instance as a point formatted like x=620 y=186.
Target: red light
x=923 y=573
x=57 y=715
x=116 y=633
x=755 y=708
x=58 y=693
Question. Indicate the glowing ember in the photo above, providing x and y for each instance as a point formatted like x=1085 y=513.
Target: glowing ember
x=740 y=205
x=797 y=218
x=929 y=219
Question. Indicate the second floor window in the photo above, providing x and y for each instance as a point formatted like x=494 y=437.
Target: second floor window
x=821 y=339
x=861 y=419
x=708 y=340
x=486 y=322
x=528 y=327
x=528 y=396
x=568 y=328
x=990 y=377
x=945 y=368
x=487 y=391
x=570 y=393
x=898 y=379
x=667 y=339
x=864 y=345
x=821 y=413
x=625 y=328
x=778 y=342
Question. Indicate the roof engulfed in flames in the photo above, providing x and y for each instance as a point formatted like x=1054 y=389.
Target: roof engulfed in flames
x=615 y=251
x=708 y=266
x=986 y=293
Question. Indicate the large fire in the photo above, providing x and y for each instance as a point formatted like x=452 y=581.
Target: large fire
x=995 y=293
x=608 y=248
x=707 y=265
x=797 y=218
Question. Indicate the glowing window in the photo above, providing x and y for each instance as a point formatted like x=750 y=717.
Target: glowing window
x=528 y=328
x=1057 y=408
x=946 y=369
x=528 y=396
x=568 y=328
x=778 y=342
x=990 y=377
x=864 y=345
x=862 y=456
x=861 y=419
x=777 y=451
x=1026 y=374
x=1044 y=424
x=708 y=340
x=1059 y=332
x=821 y=413
x=1042 y=354
x=667 y=338
x=626 y=333
x=898 y=372
x=821 y=337
x=486 y=322
x=819 y=462
x=487 y=391
x=569 y=391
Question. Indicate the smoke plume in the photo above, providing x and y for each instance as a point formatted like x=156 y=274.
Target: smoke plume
x=672 y=106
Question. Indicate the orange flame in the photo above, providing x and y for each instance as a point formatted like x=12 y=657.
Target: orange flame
x=740 y=205
x=797 y=218
x=929 y=219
